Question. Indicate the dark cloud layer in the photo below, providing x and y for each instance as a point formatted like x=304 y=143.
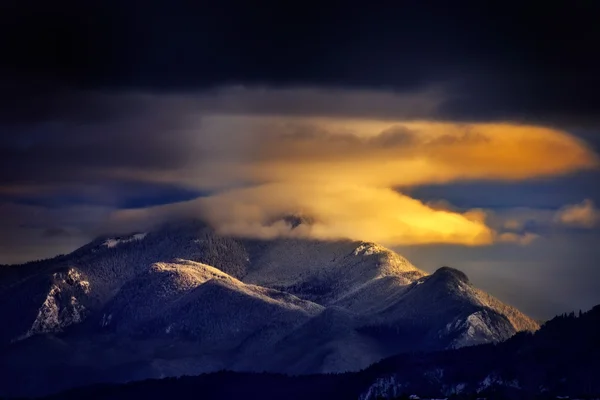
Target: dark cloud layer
x=75 y=150
x=505 y=60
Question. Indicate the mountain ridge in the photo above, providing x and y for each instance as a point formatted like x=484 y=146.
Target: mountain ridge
x=288 y=305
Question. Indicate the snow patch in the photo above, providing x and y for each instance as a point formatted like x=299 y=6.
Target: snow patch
x=54 y=316
x=78 y=309
x=493 y=380
x=105 y=320
x=368 y=249
x=474 y=329
x=75 y=277
x=113 y=242
x=386 y=387
x=457 y=389
x=62 y=306
x=47 y=318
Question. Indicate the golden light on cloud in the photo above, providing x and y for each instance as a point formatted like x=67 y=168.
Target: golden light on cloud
x=347 y=175
x=393 y=154
x=341 y=211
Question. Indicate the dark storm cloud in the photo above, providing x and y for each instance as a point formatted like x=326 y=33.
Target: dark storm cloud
x=70 y=148
x=95 y=137
x=502 y=61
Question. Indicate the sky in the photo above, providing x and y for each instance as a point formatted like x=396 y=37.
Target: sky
x=461 y=136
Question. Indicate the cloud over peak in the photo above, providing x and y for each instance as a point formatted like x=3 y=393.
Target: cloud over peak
x=342 y=211
x=255 y=160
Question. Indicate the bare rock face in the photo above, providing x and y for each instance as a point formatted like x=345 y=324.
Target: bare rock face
x=183 y=300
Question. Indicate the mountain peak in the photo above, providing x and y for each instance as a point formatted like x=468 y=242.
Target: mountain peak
x=296 y=220
x=451 y=273
x=293 y=305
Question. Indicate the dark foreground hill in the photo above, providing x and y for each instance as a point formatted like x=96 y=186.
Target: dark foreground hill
x=561 y=359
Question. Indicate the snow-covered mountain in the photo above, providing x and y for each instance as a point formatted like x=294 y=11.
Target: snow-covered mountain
x=184 y=300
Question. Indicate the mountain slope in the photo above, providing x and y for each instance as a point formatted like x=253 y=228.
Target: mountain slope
x=447 y=311
x=325 y=271
x=183 y=297
x=184 y=300
x=561 y=360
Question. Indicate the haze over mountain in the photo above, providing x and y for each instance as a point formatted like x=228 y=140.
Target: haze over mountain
x=182 y=300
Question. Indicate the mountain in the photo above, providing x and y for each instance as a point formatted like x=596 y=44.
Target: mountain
x=182 y=300
x=561 y=360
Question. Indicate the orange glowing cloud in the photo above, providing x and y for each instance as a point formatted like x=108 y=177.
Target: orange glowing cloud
x=342 y=211
x=414 y=153
x=345 y=175
x=335 y=212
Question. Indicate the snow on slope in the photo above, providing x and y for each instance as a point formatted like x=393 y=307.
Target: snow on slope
x=63 y=305
x=376 y=284
x=327 y=343
x=182 y=299
x=326 y=271
x=112 y=242
x=448 y=309
x=178 y=297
